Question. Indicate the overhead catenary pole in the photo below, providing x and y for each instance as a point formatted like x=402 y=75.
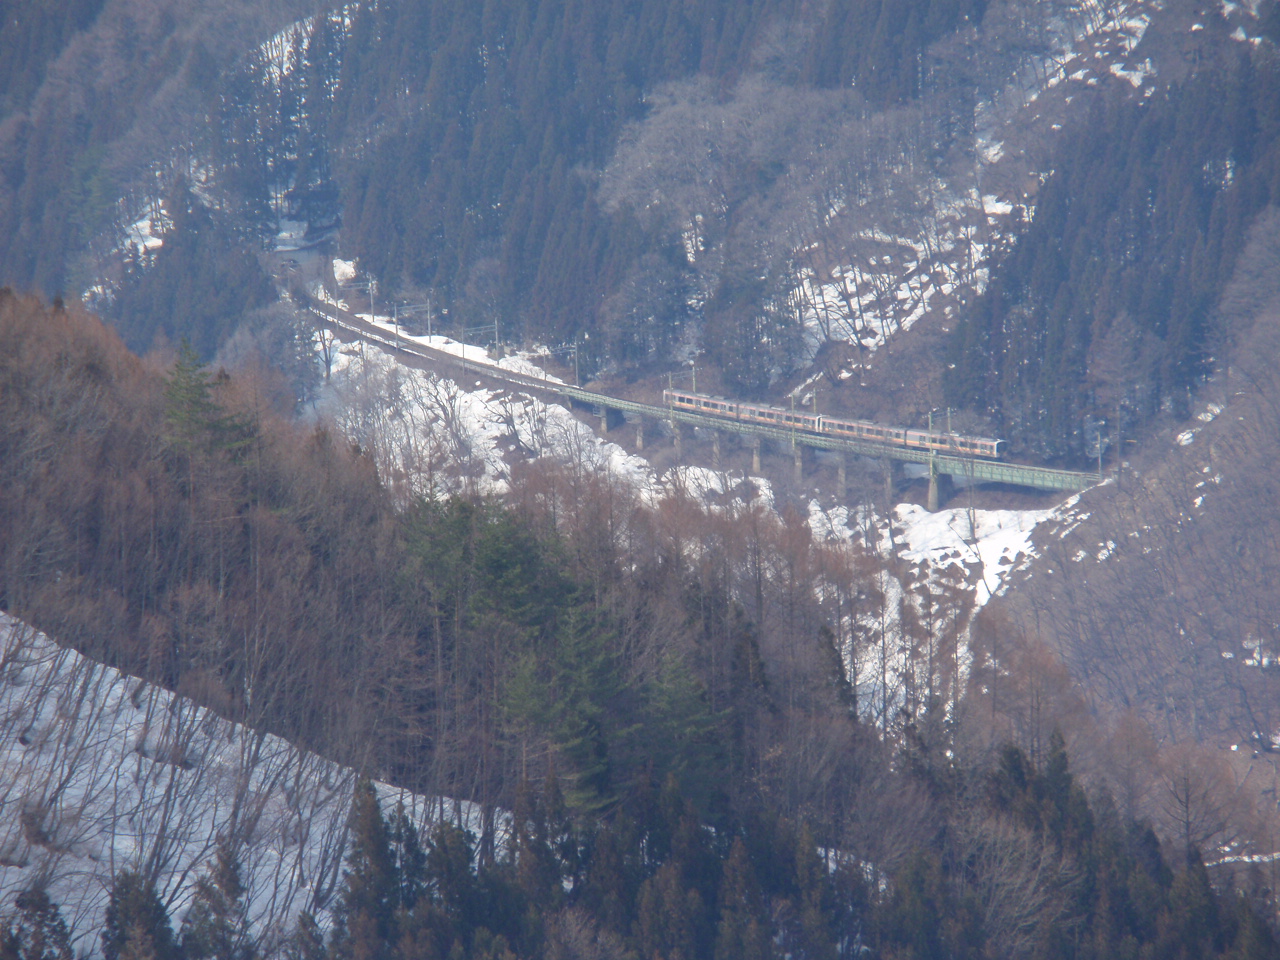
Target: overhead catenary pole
x=933 y=499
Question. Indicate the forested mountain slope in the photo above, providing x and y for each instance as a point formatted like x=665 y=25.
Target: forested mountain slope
x=105 y=772
x=33 y=39
x=117 y=112
x=778 y=188
x=1108 y=305
x=647 y=703
x=1160 y=602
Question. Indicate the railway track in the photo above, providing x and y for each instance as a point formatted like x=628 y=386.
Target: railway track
x=970 y=468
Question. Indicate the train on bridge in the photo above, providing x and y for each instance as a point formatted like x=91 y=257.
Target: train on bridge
x=939 y=442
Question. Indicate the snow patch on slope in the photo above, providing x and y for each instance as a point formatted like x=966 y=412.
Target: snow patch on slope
x=990 y=548
x=935 y=569
x=434 y=435
x=100 y=771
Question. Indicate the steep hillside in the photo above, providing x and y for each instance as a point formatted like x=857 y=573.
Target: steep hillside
x=697 y=712
x=1160 y=604
x=686 y=724
x=103 y=772
x=118 y=120
x=1105 y=308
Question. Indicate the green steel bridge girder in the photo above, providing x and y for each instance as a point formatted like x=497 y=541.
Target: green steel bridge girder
x=989 y=471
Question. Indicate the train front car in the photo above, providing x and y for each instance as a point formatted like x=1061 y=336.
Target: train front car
x=980 y=447
x=954 y=444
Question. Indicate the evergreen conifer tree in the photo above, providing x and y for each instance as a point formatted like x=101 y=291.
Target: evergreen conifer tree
x=535 y=868
x=308 y=940
x=815 y=937
x=37 y=932
x=742 y=933
x=410 y=860
x=450 y=877
x=189 y=410
x=136 y=925
x=217 y=925
x=365 y=916
x=669 y=916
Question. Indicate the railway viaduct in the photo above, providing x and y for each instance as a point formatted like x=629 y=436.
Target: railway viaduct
x=613 y=411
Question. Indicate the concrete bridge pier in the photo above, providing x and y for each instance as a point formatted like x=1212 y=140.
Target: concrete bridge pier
x=675 y=436
x=939 y=488
x=892 y=477
x=842 y=477
x=798 y=471
x=640 y=435
x=715 y=449
x=610 y=419
x=756 y=444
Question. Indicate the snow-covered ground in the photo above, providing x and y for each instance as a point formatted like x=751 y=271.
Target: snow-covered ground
x=431 y=434
x=100 y=771
x=936 y=568
x=988 y=544
x=143 y=237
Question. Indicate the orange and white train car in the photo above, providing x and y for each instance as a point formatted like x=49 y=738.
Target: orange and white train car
x=939 y=442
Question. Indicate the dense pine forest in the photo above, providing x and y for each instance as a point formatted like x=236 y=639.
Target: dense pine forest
x=34 y=38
